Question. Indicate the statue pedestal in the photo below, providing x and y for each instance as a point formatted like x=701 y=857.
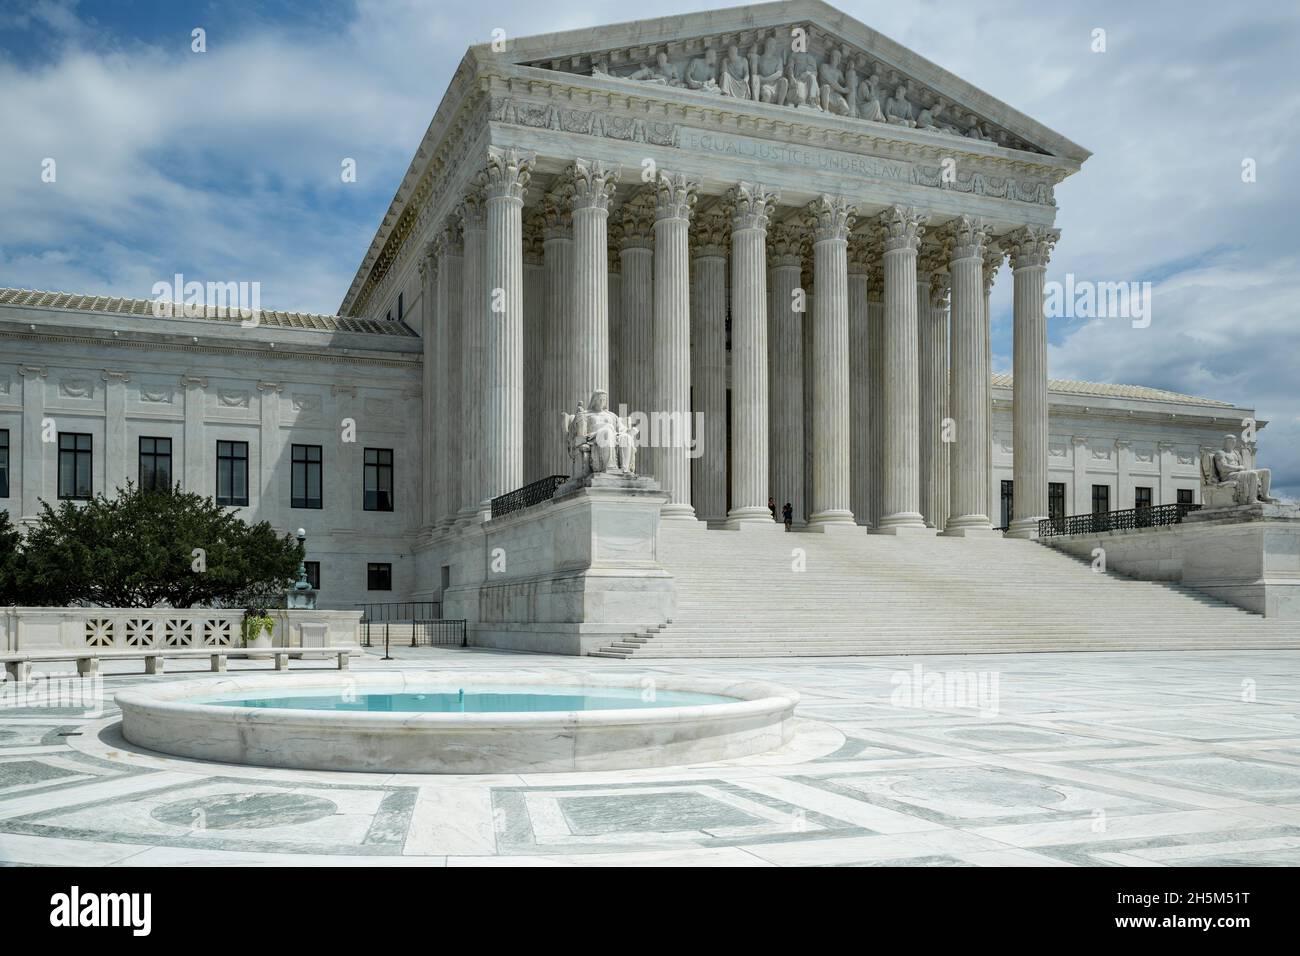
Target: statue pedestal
x=573 y=574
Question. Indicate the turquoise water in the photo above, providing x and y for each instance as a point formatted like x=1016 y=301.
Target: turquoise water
x=483 y=700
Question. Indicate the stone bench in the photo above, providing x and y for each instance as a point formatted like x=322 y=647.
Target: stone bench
x=19 y=666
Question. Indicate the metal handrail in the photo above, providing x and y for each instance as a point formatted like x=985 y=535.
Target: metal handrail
x=533 y=493
x=1128 y=519
x=379 y=611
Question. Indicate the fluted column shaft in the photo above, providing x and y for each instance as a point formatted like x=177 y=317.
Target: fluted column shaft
x=473 y=327
x=860 y=410
x=785 y=368
x=1030 y=249
x=831 y=218
x=617 y=349
x=932 y=347
x=448 y=458
x=969 y=380
x=993 y=257
x=903 y=228
x=432 y=340
x=557 y=395
x=593 y=187
x=751 y=207
x=637 y=363
x=535 y=417
x=503 y=387
x=672 y=346
x=875 y=424
x=709 y=370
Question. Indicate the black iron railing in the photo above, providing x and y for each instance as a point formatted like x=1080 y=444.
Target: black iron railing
x=530 y=494
x=409 y=624
x=378 y=612
x=1115 y=520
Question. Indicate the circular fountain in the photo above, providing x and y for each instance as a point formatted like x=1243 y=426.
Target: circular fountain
x=427 y=722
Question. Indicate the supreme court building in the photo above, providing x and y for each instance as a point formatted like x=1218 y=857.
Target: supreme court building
x=768 y=232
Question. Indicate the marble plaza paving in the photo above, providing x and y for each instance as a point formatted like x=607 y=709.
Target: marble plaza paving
x=1134 y=759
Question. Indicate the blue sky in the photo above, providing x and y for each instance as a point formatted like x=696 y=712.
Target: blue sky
x=226 y=164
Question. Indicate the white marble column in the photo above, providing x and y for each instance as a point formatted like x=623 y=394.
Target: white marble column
x=785 y=244
x=993 y=256
x=448 y=250
x=709 y=237
x=902 y=229
x=1081 y=502
x=115 y=440
x=33 y=452
x=751 y=206
x=508 y=173
x=672 y=343
x=637 y=255
x=932 y=375
x=831 y=217
x=614 y=281
x=970 y=379
x=809 y=286
x=269 y=445
x=859 y=380
x=430 y=382
x=473 y=324
x=535 y=420
x=557 y=395
x=195 y=448
x=593 y=187
x=936 y=351
x=1124 y=498
x=1030 y=248
x=875 y=422
x=1166 y=495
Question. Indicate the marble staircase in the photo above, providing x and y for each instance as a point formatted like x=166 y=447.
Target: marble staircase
x=848 y=593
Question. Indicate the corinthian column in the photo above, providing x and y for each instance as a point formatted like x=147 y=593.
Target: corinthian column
x=860 y=345
x=1030 y=248
x=993 y=256
x=785 y=243
x=830 y=218
x=875 y=422
x=557 y=333
x=450 y=255
x=709 y=364
x=672 y=346
x=932 y=345
x=593 y=187
x=474 y=321
x=966 y=241
x=534 y=345
x=638 y=321
x=503 y=392
x=902 y=229
x=614 y=274
x=751 y=206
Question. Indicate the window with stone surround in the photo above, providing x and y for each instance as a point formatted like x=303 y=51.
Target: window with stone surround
x=306 y=476
x=76 y=466
x=232 y=473
x=379 y=576
x=155 y=463
x=1100 y=499
x=378 y=479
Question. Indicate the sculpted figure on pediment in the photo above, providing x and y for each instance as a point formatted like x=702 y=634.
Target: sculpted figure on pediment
x=898 y=110
x=835 y=90
x=974 y=131
x=701 y=73
x=869 y=107
x=801 y=71
x=931 y=118
x=769 y=75
x=660 y=72
x=734 y=78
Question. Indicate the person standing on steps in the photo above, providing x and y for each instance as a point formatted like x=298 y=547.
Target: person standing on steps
x=771 y=506
x=787 y=515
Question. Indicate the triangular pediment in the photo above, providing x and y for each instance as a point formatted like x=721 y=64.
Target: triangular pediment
x=804 y=56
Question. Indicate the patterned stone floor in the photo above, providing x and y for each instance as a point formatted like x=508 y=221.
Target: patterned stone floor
x=1169 y=759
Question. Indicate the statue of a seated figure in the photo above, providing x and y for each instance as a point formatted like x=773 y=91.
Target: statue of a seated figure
x=599 y=441
x=1227 y=478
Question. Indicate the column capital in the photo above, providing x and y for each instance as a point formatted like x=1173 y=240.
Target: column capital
x=1030 y=246
x=557 y=212
x=638 y=220
x=613 y=245
x=533 y=234
x=940 y=286
x=114 y=375
x=787 y=244
x=751 y=205
x=830 y=217
x=993 y=256
x=966 y=237
x=278 y=388
x=448 y=241
x=1123 y=443
x=507 y=173
x=35 y=371
x=472 y=209
x=594 y=183
x=860 y=254
x=901 y=227
x=710 y=235
x=1164 y=446
x=675 y=196
x=930 y=259
x=1078 y=440
x=193 y=381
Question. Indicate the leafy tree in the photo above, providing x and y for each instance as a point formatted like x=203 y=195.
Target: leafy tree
x=150 y=548
x=9 y=541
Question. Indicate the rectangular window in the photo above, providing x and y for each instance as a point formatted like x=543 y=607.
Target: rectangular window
x=75 y=466
x=1185 y=496
x=4 y=463
x=1008 y=503
x=379 y=577
x=306 y=490
x=1100 y=498
x=1141 y=497
x=313 y=574
x=155 y=464
x=1056 y=499
x=379 y=479
x=232 y=473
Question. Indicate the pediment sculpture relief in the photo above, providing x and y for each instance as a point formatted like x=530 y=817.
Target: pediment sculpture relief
x=837 y=81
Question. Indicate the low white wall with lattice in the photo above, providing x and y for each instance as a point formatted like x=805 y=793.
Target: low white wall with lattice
x=25 y=629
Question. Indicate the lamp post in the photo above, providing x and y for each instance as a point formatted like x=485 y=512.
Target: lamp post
x=302 y=596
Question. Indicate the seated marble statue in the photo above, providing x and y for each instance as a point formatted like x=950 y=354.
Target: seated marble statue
x=1227 y=478
x=734 y=77
x=801 y=89
x=835 y=90
x=869 y=107
x=769 y=76
x=660 y=72
x=898 y=110
x=598 y=441
x=701 y=73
